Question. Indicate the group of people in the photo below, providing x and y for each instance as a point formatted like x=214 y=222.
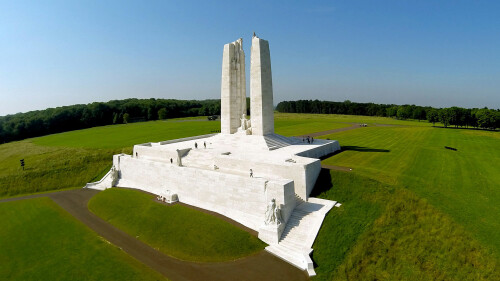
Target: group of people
x=196 y=145
x=309 y=139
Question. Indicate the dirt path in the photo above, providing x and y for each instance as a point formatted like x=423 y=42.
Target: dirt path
x=261 y=266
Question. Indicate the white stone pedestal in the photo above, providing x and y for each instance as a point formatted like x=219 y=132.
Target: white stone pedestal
x=271 y=233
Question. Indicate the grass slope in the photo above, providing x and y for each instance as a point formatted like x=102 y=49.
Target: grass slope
x=175 y=230
x=463 y=183
x=384 y=232
x=74 y=158
x=127 y=135
x=40 y=241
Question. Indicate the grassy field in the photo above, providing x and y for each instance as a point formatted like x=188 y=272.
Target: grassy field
x=71 y=159
x=464 y=184
x=176 y=230
x=40 y=241
x=126 y=135
x=385 y=232
x=412 y=210
x=74 y=158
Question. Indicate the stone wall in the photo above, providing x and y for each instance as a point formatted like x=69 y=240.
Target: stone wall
x=240 y=198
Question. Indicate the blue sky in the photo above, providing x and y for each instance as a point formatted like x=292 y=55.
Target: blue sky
x=438 y=53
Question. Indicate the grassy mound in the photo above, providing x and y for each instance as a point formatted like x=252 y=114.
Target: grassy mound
x=40 y=241
x=383 y=232
x=175 y=230
x=463 y=184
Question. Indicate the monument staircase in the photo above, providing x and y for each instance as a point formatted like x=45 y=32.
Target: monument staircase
x=299 y=234
x=275 y=141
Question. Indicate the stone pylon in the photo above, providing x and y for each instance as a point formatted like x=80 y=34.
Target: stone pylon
x=261 y=88
x=233 y=88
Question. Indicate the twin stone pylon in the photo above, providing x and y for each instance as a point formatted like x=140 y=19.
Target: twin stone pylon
x=233 y=89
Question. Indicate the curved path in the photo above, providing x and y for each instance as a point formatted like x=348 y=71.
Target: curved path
x=261 y=266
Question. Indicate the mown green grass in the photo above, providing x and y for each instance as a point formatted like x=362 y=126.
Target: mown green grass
x=175 y=230
x=40 y=241
x=338 y=118
x=383 y=232
x=127 y=135
x=412 y=209
x=464 y=184
x=72 y=159
x=48 y=168
x=287 y=126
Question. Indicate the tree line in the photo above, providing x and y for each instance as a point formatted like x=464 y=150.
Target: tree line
x=483 y=118
x=74 y=117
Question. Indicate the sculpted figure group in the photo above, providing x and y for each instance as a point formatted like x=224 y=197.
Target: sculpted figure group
x=273 y=214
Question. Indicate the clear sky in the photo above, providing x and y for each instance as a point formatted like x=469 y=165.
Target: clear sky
x=438 y=53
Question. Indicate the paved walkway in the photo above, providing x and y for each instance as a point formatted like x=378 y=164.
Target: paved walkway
x=261 y=266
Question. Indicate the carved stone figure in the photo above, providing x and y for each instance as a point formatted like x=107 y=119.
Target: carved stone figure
x=114 y=176
x=277 y=215
x=270 y=213
x=243 y=122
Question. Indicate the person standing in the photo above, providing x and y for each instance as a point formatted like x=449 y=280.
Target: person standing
x=251 y=173
x=196 y=145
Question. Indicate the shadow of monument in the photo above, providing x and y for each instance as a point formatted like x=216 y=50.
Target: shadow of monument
x=363 y=149
x=353 y=148
x=323 y=183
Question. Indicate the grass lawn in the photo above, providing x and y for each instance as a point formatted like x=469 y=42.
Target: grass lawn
x=72 y=159
x=385 y=232
x=412 y=210
x=464 y=184
x=40 y=241
x=176 y=230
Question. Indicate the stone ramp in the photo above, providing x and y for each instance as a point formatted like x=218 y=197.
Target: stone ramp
x=301 y=230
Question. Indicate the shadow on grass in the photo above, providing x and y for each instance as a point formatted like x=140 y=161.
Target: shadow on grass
x=323 y=183
x=353 y=148
x=363 y=149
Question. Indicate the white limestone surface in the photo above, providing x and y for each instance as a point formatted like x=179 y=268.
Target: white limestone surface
x=238 y=153
x=233 y=87
x=295 y=244
x=261 y=88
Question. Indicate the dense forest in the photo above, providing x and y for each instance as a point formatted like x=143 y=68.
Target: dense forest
x=74 y=117
x=66 y=118
x=483 y=118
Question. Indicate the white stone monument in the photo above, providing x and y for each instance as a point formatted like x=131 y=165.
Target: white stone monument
x=261 y=88
x=273 y=201
x=233 y=87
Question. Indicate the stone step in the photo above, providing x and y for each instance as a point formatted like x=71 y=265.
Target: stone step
x=292 y=244
x=292 y=257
